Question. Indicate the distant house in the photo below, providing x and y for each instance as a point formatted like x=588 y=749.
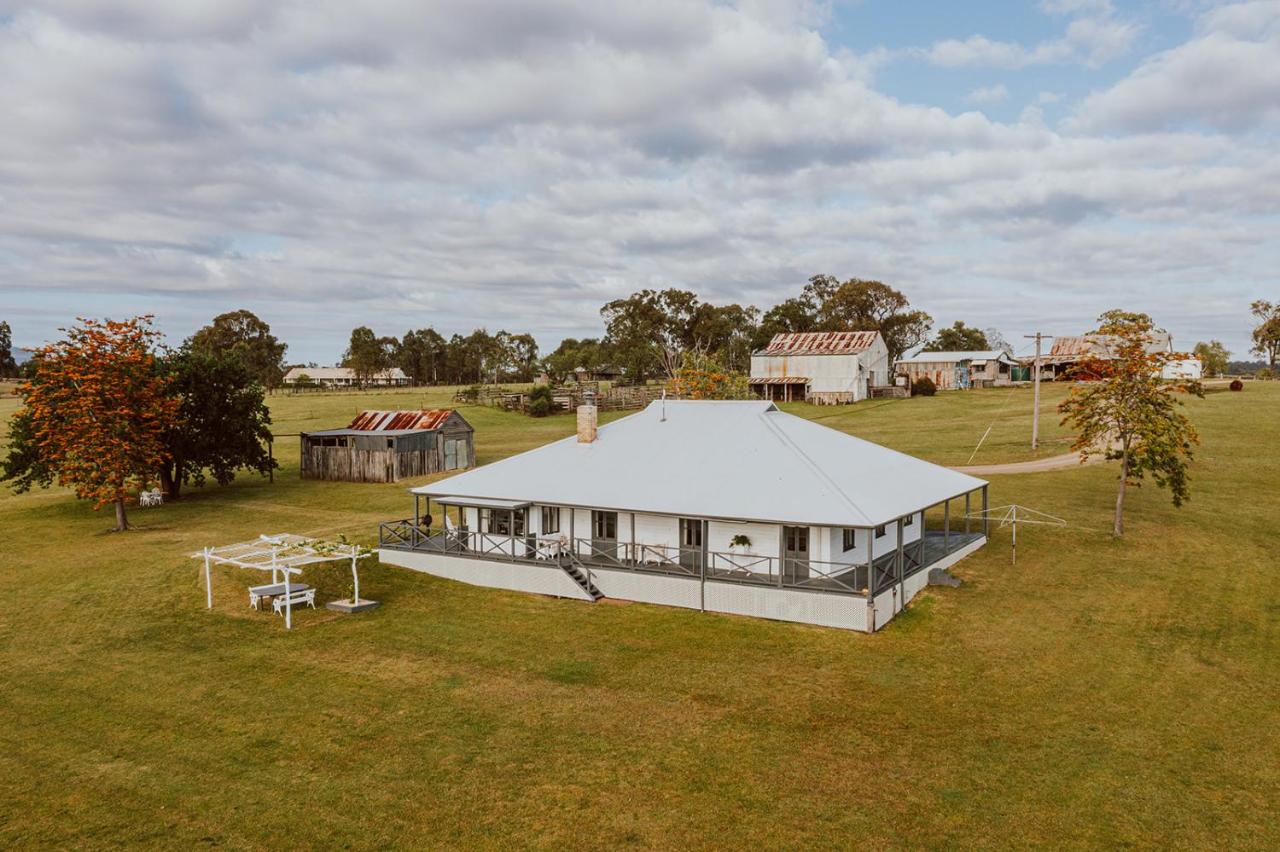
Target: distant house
x=386 y=446
x=731 y=507
x=1068 y=353
x=582 y=375
x=960 y=370
x=825 y=367
x=343 y=377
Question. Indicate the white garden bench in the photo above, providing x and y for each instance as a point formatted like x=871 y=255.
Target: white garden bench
x=257 y=593
x=294 y=598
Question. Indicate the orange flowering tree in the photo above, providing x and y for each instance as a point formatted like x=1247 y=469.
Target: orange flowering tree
x=1130 y=415
x=704 y=379
x=96 y=410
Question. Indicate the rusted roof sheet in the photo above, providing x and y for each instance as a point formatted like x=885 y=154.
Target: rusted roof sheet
x=820 y=343
x=1099 y=346
x=779 y=380
x=400 y=421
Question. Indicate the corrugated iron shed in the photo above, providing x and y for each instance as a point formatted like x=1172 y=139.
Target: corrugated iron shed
x=400 y=421
x=1099 y=346
x=820 y=343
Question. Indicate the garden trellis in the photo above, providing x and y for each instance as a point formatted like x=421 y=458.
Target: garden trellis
x=283 y=554
x=1012 y=515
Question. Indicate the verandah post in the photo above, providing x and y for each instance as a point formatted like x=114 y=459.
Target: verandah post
x=966 y=511
x=902 y=590
x=946 y=526
x=920 y=543
x=986 y=521
x=871 y=561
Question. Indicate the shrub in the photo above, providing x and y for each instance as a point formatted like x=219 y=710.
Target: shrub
x=923 y=386
x=1236 y=385
x=1264 y=373
x=541 y=402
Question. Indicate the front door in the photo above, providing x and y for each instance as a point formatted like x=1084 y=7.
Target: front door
x=691 y=538
x=604 y=535
x=795 y=553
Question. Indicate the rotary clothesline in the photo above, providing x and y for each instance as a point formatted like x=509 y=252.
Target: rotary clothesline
x=1012 y=515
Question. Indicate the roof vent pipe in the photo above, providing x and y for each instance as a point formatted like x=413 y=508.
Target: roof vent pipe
x=587 y=419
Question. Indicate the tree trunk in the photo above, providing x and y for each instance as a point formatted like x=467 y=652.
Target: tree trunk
x=170 y=483
x=122 y=522
x=1118 y=530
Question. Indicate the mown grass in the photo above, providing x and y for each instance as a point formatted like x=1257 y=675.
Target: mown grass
x=1098 y=693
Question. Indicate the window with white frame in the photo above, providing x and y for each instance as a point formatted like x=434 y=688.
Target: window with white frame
x=880 y=530
x=850 y=539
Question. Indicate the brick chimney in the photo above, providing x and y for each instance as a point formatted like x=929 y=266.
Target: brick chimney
x=587 y=419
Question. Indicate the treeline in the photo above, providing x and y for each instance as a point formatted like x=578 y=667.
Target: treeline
x=650 y=334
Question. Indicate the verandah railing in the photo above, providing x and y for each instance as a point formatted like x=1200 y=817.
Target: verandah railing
x=753 y=569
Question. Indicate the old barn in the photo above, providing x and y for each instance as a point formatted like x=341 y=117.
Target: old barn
x=386 y=446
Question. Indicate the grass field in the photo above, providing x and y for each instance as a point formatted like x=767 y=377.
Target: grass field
x=1098 y=693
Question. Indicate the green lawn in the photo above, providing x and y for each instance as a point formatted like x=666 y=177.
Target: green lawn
x=1098 y=693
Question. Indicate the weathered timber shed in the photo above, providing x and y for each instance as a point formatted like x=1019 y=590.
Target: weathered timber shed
x=960 y=370
x=824 y=367
x=386 y=446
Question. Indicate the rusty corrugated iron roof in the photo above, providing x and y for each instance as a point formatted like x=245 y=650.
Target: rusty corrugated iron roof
x=400 y=421
x=1100 y=346
x=820 y=343
x=778 y=380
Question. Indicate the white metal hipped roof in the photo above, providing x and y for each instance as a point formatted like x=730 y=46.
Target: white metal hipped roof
x=732 y=460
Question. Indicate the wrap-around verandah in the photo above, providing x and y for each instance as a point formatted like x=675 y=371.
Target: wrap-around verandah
x=961 y=525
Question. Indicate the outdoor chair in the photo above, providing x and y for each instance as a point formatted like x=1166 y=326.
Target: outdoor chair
x=294 y=598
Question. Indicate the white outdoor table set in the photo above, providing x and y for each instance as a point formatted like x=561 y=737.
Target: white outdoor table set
x=283 y=555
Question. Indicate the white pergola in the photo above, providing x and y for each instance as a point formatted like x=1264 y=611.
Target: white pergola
x=282 y=554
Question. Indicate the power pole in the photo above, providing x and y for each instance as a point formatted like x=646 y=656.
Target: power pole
x=1035 y=412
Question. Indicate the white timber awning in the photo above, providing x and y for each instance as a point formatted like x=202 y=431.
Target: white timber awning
x=283 y=554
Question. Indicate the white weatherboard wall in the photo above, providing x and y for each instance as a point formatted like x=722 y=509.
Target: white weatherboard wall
x=766 y=539
x=517 y=576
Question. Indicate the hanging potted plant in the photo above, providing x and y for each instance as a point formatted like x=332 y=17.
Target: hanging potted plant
x=739 y=543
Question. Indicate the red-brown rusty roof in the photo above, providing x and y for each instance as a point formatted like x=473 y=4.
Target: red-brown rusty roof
x=779 y=380
x=820 y=343
x=1100 y=346
x=399 y=421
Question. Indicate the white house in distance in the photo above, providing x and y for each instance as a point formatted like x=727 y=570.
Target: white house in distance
x=825 y=367
x=344 y=377
x=732 y=507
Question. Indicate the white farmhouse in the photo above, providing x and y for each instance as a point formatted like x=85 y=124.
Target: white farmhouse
x=825 y=367
x=343 y=377
x=732 y=507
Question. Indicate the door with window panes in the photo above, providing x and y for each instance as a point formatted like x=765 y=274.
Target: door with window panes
x=604 y=535
x=692 y=537
x=795 y=553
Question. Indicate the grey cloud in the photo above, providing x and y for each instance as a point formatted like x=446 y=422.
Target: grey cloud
x=510 y=165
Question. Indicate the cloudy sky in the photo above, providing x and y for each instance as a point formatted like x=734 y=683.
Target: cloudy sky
x=463 y=163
